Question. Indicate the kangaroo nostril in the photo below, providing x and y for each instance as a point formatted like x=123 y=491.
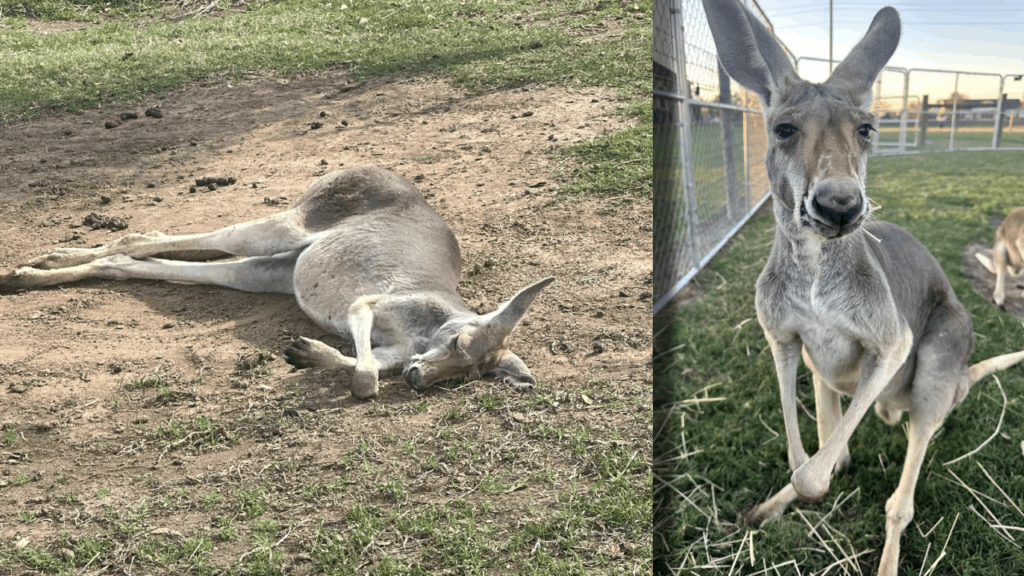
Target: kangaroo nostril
x=412 y=376
x=838 y=206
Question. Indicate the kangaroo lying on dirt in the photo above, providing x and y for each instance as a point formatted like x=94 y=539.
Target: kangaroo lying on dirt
x=366 y=258
x=865 y=304
x=1007 y=250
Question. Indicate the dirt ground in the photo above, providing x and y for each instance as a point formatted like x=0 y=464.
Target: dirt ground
x=984 y=282
x=121 y=392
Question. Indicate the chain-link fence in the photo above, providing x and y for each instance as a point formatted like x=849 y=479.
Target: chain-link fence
x=710 y=142
x=709 y=147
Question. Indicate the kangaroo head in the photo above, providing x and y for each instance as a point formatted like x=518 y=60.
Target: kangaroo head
x=819 y=135
x=474 y=346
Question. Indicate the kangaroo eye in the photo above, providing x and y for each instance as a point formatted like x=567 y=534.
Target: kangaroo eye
x=865 y=130
x=454 y=345
x=783 y=131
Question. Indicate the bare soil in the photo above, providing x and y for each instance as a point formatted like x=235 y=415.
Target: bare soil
x=95 y=375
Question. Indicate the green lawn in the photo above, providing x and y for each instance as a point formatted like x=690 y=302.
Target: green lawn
x=718 y=449
x=966 y=137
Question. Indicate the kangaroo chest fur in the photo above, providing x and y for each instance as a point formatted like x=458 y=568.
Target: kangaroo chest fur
x=835 y=299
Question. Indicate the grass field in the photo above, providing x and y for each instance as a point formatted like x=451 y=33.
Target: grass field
x=557 y=482
x=718 y=449
x=966 y=137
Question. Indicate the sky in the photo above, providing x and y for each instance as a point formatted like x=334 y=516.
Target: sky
x=975 y=36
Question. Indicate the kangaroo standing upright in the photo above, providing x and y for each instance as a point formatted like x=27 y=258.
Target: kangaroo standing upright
x=366 y=258
x=865 y=304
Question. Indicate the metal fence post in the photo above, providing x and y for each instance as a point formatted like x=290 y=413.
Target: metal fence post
x=878 y=99
x=952 y=120
x=746 y=152
x=922 y=129
x=997 y=133
x=903 y=114
x=733 y=201
x=686 y=141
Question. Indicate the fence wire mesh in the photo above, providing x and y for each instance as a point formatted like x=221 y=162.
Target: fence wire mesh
x=710 y=142
x=709 y=146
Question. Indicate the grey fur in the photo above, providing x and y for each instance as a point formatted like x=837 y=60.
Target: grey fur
x=864 y=303
x=366 y=258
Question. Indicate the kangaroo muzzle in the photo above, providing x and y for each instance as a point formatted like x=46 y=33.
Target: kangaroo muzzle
x=838 y=204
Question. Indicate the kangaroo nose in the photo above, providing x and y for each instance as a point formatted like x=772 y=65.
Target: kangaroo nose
x=413 y=377
x=837 y=203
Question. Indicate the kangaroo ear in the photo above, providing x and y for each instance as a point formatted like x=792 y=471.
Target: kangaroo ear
x=513 y=371
x=748 y=51
x=505 y=318
x=857 y=72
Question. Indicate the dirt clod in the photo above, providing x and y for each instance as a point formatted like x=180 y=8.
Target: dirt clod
x=98 y=221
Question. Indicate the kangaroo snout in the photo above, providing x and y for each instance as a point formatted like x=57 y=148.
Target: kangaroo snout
x=838 y=202
x=413 y=377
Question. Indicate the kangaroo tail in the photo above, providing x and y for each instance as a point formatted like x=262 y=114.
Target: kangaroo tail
x=995 y=364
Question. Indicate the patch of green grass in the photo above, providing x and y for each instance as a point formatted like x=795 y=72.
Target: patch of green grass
x=490 y=401
x=83 y=10
x=617 y=164
x=193 y=552
x=479 y=43
x=26 y=516
x=393 y=489
x=196 y=435
x=8 y=437
x=251 y=502
x=268 y=527
x=210 y=501
x=102 y=493
x=946 y=201
x=33 y=558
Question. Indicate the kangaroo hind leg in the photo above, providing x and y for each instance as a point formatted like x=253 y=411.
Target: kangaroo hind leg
x=275 y=234
x=272 y=274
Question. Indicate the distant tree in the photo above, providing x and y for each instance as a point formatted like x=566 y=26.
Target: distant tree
x=959 y=96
